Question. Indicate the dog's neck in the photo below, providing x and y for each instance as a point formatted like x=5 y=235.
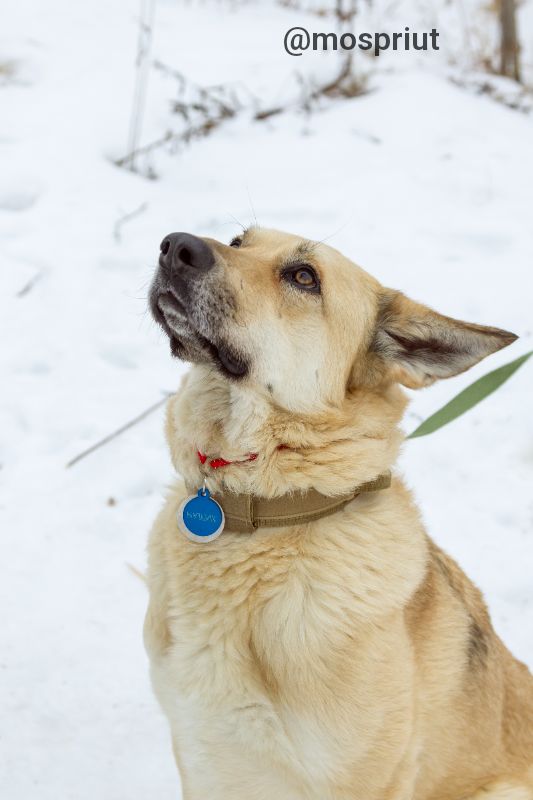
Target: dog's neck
x=332 y=450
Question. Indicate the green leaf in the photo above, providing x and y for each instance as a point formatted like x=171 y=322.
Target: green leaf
x=469 y=397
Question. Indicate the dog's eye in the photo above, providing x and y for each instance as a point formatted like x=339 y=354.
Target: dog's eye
x=303 y=277
x=236 y=241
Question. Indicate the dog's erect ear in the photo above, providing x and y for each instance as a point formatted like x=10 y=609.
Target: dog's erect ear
x=418 y=346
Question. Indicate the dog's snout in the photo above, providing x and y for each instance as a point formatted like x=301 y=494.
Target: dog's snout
x=182 y=251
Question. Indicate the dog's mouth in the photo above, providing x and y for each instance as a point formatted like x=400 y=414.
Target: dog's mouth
x=188 y=343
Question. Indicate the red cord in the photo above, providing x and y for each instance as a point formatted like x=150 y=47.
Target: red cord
x=215 y=463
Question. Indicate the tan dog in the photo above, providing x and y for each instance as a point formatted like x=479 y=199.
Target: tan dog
x=347 y=658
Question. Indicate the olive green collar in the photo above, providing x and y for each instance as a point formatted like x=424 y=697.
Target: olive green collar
x=245 y=513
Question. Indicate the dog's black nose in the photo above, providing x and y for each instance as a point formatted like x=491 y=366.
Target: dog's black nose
x=182 y=251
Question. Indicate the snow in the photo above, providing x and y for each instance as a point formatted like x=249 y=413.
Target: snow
x=427 y=185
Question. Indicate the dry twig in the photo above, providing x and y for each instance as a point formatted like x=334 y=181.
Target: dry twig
x=117 y=234
x=146 y=24
x=28 y=286
x=119 y=431
x=203 y=109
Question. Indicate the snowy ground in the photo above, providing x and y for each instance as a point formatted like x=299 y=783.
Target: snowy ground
x=426 y=185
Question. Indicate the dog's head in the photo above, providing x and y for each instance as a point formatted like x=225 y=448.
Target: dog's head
x=301 y=323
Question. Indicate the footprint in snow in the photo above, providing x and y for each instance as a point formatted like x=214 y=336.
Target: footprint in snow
x=20 y=195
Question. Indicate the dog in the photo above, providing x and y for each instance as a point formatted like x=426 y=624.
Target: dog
x=336 y=657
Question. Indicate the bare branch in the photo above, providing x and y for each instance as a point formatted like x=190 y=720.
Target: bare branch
x=26 y=289
x=146 y=23
x=119 y=431
x=509 y=47
x=202 y=109
x=117 y=235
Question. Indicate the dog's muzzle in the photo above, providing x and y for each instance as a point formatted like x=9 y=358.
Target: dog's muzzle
x=184 y=300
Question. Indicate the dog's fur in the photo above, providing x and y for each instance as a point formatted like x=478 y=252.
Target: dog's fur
x=348 y=658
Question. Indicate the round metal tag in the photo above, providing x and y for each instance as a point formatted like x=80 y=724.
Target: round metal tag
x=200 y=517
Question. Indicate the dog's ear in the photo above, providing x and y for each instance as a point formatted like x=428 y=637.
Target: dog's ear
x=419 y=346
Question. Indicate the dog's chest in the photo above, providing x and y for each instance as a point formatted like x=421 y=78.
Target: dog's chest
x=250 y=647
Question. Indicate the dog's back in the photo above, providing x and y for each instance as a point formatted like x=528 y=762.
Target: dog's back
x=478 y=697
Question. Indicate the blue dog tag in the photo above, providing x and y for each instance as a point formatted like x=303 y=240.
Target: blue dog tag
x=200 y=517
